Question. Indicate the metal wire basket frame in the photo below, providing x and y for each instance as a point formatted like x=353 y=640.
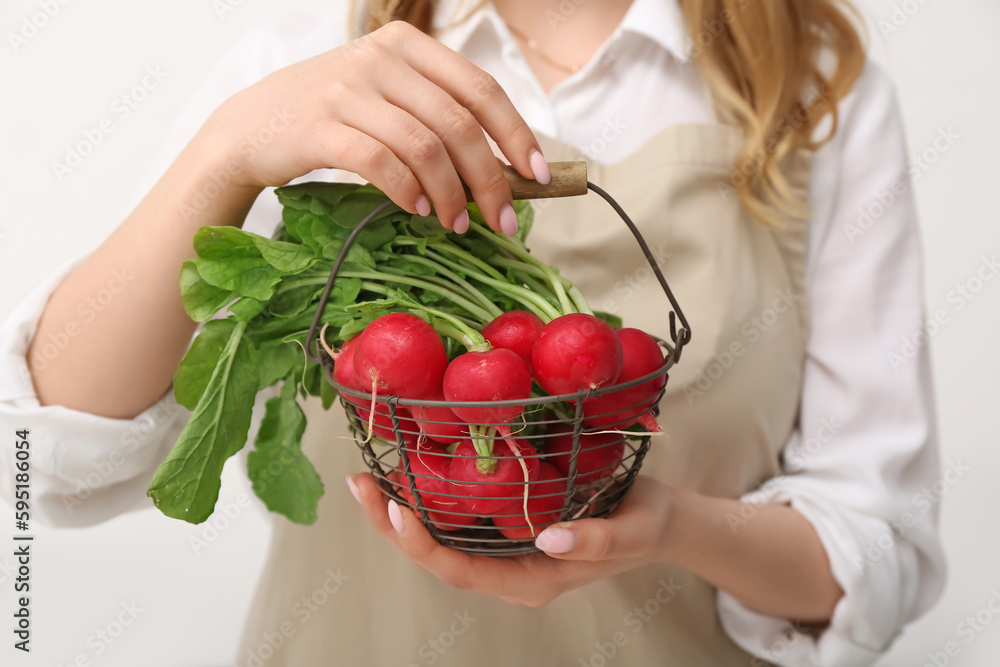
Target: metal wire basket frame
x=484 y=539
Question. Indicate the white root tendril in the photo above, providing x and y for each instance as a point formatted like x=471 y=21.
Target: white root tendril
x=524 y=469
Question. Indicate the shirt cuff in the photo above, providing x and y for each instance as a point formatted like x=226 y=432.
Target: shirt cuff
x=875 y=578
x=84 y=468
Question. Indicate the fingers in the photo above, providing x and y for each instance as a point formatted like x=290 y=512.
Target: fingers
x=474 y=89
x=347 y=148
x=464 y=140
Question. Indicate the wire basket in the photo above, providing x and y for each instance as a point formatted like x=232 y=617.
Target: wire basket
x=412 y=469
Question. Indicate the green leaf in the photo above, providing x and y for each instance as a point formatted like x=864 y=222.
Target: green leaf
x=613 y=320
x=246 y=309
x=357 y=254
x=282 y=476
x=356 y=206
x=327 y=393
x=276 y=359
x=186 y=485
x=246 y=276
x=308 y=195
x=200 y=299
x=196 y=368
x=312 y=380
x=525 y=218
x=231 y=242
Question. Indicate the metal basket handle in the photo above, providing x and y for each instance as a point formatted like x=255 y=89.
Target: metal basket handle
x=569 y=179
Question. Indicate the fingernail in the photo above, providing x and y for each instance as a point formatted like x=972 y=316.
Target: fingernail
x=555 y=540
x=423 y=206
x=508 y=220
x=396 y=517
x=539 y=167
x=461 y=223
x=354 y=488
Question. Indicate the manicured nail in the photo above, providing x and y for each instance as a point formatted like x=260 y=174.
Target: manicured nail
x=508 y=220
x=461 y=223
x=423 y=206
x=354 y=488
x=539 y=167
x=396 y=517
x=555 y=540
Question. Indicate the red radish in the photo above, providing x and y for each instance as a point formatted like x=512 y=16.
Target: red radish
x=497 y=375
x=487 y=493
x=576 y=352
x=439 y=424
x=545 y=503
x=381 y=424
x=343 y=371
x=641 y=355
x=443 y=520
x=517 y=331
x=599 y=455
x=402 y=355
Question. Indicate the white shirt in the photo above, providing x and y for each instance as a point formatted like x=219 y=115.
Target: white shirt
x=862 y=466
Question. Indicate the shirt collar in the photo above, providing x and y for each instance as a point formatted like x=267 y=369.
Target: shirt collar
x=660 y=21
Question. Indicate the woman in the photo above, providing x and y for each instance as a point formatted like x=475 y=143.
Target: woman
x=776 y=520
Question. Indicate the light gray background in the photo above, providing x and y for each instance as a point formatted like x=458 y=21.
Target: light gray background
x=944 y=57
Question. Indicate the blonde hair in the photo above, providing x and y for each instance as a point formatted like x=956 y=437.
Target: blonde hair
x=762 y=63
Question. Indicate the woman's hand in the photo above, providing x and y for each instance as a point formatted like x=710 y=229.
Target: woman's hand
x=396 y=107
x=772 y=562
x=578 y=552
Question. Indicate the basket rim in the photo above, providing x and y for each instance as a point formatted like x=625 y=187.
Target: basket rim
x=525 y=402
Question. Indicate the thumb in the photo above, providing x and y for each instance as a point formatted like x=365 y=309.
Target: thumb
x=593 y=540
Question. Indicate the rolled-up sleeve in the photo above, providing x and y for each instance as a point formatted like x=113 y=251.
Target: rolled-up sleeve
x=863 y=465
x=84 y=468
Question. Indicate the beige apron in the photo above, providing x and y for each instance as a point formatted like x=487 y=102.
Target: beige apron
x=337 y=593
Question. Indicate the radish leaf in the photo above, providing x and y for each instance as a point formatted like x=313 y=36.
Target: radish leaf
x=186 y=485
x=282 y=476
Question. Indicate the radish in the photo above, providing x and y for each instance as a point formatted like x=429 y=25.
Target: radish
x=380 y=423
x=343 y=371
x=641 y=355
x=439 y=424
x=496 y=487
x=545 y=503
x=599 y=455
x=517 y=331
x=576 y=352
x=496 y=375
x=402 y=355
x=443 y=520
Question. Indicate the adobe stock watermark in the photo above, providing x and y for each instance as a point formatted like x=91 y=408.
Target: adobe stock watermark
x=130 y=442
x=303 y=610
x=795 y=460
x=634 y=622
x=432 y=650
x=967 y=630
x=105 y=636
x=556 y=17
x=32 y=24
x=957 y=298
x=121 y=108
x=42 y=352
x=750 y=164
x=225 y=7
x=224 y=516
x=899 y=16
x=791 y=634
x=883 y=199
x=752 y=330
x=632 y=282
x=613 y=129
x=923 y=502
x=249 y=149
